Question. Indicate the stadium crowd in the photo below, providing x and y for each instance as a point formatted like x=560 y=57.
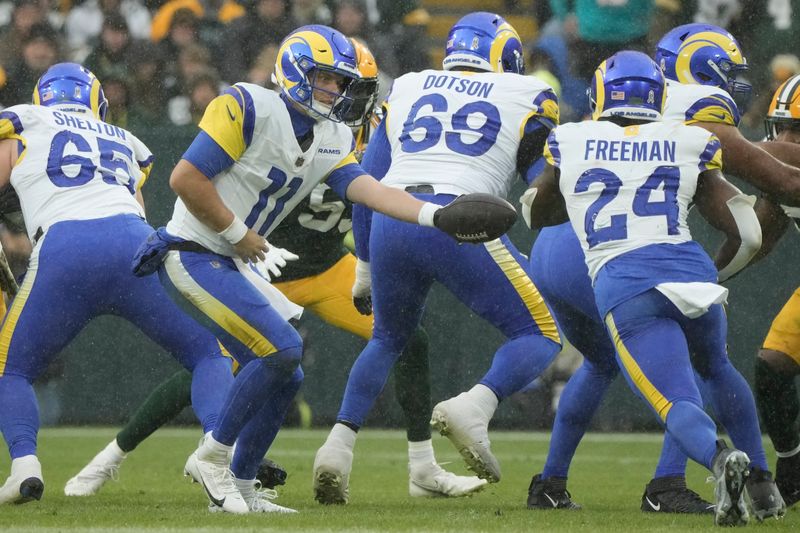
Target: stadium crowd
x=162 y=61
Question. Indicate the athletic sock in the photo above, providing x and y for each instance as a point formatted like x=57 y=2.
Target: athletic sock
x=672 y=461
x=412 y=385
x=735 y=408
x=162 y=405
x=259 y=433
x=694 y=431
x=252 y=388
x=778 y=404
x=19 y=417
x=579 y=400
x=366 y=381
x=420 y=453
x=485 y=399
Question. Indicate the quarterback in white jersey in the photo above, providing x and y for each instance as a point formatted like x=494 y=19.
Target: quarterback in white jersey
x=257 y=155
x=78 y=180
x=625 y=184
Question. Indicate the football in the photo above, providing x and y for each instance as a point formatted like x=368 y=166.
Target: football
x=476 y=218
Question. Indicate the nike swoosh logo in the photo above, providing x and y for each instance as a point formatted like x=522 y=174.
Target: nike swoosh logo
x=215 y=501
x=654 y=506
x=230 y=113
x=552 y=501
x=718 y=116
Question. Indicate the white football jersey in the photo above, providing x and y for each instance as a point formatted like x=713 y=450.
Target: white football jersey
x=460 y=131
x=72 y=166
x=692 y=103
x=629 y=187
x=270 y=173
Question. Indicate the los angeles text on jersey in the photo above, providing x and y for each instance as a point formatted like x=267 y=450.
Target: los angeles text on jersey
x=655 y=150
x=72 y=121
x=458 y=84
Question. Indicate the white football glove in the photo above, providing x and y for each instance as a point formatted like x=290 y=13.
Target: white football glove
x=274 y=261
x=362 y=288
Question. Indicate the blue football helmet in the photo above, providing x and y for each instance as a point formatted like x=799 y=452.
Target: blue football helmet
x=628 y=84
x=484 y=41
x=70 y=83
x=703 y=54
x=305 y=53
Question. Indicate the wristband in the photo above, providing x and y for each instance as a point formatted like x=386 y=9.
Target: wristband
x=425 y=217
x=235 y=232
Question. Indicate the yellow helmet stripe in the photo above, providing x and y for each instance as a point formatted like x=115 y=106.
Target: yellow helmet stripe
x=723 y=41
x=94 y=97
x=600 y=97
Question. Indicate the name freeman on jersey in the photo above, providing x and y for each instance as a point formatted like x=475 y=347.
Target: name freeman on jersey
x=71 y=121
x=629 y=150
x=459 y=85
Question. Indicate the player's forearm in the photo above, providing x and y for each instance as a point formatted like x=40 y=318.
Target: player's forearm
x=393 y=202
x=200 y=196
x=773 y=223
x=788 y=153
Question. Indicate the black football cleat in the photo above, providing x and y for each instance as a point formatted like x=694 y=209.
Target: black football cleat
x=271 y=474
x=671 y=495
x=550 y=493
x=765 y=499
x=787 y=477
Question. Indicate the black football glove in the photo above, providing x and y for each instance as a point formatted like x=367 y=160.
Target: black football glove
x=271 y=474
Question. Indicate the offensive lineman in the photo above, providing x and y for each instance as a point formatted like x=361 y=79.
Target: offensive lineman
x=470 y=127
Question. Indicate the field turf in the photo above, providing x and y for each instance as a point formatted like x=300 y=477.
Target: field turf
x=151 y=495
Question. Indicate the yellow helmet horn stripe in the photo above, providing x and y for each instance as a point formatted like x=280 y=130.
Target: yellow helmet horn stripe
x=505 y=32
x=94 y=97
x=600 y=97
x=723 y=41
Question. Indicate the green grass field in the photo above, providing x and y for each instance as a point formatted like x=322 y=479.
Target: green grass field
x=151 y=495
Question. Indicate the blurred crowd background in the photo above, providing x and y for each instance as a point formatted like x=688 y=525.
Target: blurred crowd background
x=162 y=61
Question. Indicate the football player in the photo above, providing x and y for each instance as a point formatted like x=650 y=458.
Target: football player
x=778 y=362
x=321 y=282
x=701 y=64
x=625 y=182
x=470 y=127
x=79 y=181
x=258 y=154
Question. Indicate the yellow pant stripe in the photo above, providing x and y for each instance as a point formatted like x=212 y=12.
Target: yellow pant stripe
x=525 y=288
x=656 y=399
x=11 y=318
x=218 y=312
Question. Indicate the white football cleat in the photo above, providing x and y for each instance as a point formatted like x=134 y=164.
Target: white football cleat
x=89 y=481
x=258 y=499
x=217 y=480
x=467 y=427
x=332 y=466
x=25 y=482
x=431 y=480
